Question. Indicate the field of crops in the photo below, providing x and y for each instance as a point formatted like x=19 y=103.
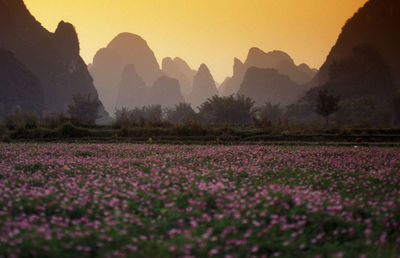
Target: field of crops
x=124 y=200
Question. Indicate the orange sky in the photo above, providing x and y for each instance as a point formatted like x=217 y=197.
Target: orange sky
x=209 y=31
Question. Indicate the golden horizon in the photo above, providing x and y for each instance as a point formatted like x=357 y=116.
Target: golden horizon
x=208 y=31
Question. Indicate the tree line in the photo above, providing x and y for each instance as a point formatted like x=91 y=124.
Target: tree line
x=217 y=110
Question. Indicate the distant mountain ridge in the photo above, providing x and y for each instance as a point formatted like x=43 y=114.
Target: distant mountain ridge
x=376 y=24
x=132 y=90
x=363 y=67
x=109 y=64
x=204 y=87
x=19 y=87
x=179 y=69
x=267 y=85
x=166 y=92
x=277 y=60
x=127 y=74
x=52 y=57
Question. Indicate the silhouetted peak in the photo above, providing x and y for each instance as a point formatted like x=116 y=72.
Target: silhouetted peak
x=203 y=69
x=223 y=85
x=254 y=51
x=304 y=66
x=268 y=85
x=19 y=87
x=183 y=65
x=166 y=91
x=180 y=61
x=177 y=68
x=67 y=37
x=127 y=40
x=105 y=54
x=15 y=18
x=12 y=5
x=238 y=66
x=376 y=23
x=167 y=62
x=276 y=57
x=203 y=86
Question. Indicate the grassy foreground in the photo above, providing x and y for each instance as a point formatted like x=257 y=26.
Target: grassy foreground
x=125 y=200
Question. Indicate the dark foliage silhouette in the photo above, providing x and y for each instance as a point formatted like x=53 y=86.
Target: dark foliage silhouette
x=327 y=104
x=84 y=109
x=227 y=110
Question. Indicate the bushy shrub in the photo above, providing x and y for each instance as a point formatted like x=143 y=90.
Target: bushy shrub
x=365 y=111
x=123 y=118
x=53 y=119
x=68 y=130
x=301 y=113
x=227 y=110
x=84 y=110
x=147 y=115
x=267 y=115
x=19 y=119
x=189 y=129
x=181 y=113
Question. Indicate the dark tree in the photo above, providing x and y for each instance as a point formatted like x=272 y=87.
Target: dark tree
x=182 y=113
x=84 y=110
x=327 y=104
x=268 y=114
x=152 y=113
x=227 y=110
x=138 y=116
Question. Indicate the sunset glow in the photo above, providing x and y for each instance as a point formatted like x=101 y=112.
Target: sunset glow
x=208 y=31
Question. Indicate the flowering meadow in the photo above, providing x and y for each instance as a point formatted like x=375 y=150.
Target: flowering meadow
x=126 y=200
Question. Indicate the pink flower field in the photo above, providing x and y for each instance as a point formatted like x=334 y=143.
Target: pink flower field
x=124 y=200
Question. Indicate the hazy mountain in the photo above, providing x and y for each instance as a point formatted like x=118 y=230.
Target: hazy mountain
x=363 y=67
x=268 y=85
x=132 y=49
x=19 y=87
x=223 y=85
x=132 y=89
x=177 y=68
x=277 y=60
x=203 y=87
x=364 y=73
x=166 y=92
x=52 y=57
x=109 y=63
x=187 y=70
x=106 y=70
x=376 y=24
x=232 y=85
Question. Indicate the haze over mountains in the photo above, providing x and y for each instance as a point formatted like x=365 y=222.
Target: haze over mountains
x=195 y=86
x=365 y=61
x=53 y=58
x=41 y=70
x=25 y=93
x=268 y=85
x=109 y=63
x=204 y=87
x=127 y=74
x=278 y=60
x=179 y=69
x=375 y=25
